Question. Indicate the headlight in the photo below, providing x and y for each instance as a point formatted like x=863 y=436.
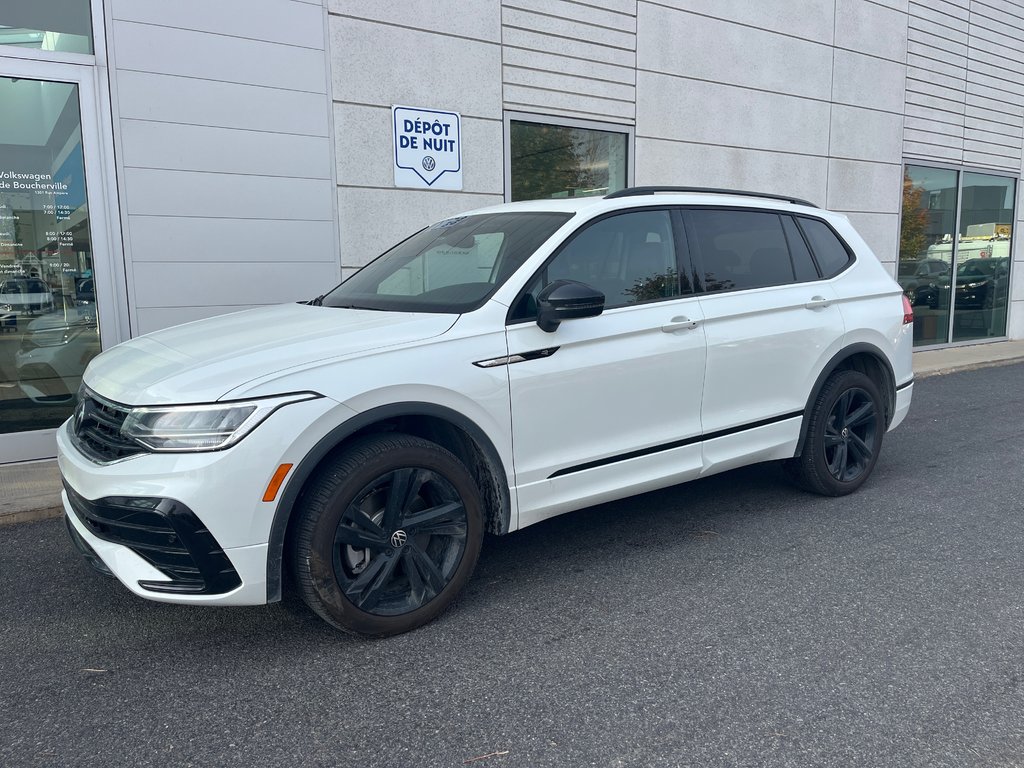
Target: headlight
x=202 y=427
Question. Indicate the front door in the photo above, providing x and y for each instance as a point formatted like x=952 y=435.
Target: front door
x=608 y=406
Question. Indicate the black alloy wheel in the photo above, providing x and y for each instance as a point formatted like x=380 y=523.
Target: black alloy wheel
x=850 y=435
x=844 y=436
x=390 y=532
x=399 y=541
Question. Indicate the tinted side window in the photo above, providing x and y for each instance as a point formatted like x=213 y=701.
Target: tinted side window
x=741 y=249
x=829 y=251
x=629 y=257
x=803 y=264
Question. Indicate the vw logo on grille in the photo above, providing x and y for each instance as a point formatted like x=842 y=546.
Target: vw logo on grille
x=398 y=539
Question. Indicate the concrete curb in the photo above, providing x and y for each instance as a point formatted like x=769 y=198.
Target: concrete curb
x=30 y=516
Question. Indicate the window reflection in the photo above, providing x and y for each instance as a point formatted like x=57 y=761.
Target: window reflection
x=926 y=249
x=983 y=257
x=54 y=25
x=551 y=161
x=48 y=322
x=980 y=252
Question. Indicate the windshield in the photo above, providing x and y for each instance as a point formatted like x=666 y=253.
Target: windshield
x=453 y=266
x=979 y=268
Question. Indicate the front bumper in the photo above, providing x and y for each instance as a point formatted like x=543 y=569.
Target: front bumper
x=188 y=528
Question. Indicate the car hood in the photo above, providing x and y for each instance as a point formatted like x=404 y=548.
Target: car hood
x=202 y=361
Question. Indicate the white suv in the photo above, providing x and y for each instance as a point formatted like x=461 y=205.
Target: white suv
x=493 y=370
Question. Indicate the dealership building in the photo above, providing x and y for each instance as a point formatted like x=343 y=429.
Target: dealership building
x=162 y=162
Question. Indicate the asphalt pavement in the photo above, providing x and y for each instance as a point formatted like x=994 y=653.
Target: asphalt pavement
x=733 y=621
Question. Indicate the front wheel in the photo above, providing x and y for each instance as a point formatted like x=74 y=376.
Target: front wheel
x=390 y=532
x=844 y=436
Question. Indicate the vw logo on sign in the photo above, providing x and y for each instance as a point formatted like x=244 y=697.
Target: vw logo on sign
x=398 y=539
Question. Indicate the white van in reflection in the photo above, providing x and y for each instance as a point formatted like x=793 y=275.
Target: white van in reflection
x=971 y=248
x=55 y=349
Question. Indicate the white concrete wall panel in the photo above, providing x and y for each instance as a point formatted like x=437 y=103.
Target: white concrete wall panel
x=188 y=101
x=168 y=51
x=471 y=19
x=275 y=21
x=223 y=150
x=701 y=48
x=730 y=116
x=547 y=50
x=189 y=239
x=866 y=134
x=230 y=283
x=222 y=131
x=544 y=101
x=530 y=40
x=188 y=193
x=994 y=75
x=867 y=81
x=871 y=29
x=368 y=68
x=810 y=21
x=864 y=187
x=660 y=161
x=362 y=242
x=541 y=61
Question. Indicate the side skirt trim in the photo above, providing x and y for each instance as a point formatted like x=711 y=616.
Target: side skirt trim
x=675 y=444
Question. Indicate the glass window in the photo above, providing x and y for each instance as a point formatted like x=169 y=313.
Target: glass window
x=629 y=257
x=803 y=264
x=983 y=257
x=830 y=253
x=741 y=249
x=452 y=266
x=964 y=223
x=47 y=25
x=926 y=248
x=550 y=161
x=48 y=323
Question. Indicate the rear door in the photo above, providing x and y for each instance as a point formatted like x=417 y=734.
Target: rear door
x=769 y=319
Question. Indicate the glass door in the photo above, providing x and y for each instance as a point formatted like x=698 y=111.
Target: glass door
x=50 y=294
x=956 y=237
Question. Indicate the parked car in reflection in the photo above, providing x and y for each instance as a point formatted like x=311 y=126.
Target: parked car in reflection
x=917 y=275
x=55 y=349
x=980 y=284
x=26 y=295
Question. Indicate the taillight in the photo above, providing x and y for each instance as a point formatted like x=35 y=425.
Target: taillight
x=908 y=311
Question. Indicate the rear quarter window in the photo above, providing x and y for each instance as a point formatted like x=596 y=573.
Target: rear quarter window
x=831 y=253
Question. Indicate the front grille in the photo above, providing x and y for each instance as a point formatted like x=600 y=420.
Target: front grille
x=167 y=534
x=96 y=429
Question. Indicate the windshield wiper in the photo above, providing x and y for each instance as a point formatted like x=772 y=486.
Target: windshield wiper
x=318 y=301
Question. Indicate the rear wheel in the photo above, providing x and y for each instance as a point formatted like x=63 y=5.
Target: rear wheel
x=844 y=436
x=389 y=534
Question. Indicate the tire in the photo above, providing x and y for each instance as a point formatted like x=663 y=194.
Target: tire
x=389 y=533
x=844 y=436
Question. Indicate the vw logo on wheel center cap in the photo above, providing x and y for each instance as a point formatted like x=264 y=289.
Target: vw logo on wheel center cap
x=845 y=433
x=398 y=539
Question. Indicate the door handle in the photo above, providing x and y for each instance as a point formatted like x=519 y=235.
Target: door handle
x=680 y=323
x=818 y=302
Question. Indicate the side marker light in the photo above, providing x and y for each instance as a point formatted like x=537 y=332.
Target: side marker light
x=276 y=482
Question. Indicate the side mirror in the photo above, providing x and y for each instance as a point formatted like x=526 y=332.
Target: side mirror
x=567 y=300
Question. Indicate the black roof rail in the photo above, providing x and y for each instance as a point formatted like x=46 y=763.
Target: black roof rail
x=637 y=191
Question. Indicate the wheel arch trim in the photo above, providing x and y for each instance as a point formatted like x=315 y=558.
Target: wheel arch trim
x=832 y=365
x=329 y=442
